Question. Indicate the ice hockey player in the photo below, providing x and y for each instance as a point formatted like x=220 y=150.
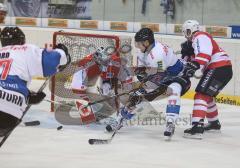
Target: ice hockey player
x=19 y=63
x=111 y=68
x=215 y=66
x=160 y=71
x=3 y=13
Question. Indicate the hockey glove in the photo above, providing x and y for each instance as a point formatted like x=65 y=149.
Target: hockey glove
x=35 y=98
x=190 y=69
x=187 y=50
x=65 y=49
x=136 y=97
x=140 y=73
x=126 y=114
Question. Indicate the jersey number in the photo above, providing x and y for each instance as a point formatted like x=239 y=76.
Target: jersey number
x=5 y=64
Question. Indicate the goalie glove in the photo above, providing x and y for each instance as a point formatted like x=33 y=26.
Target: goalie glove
x=35 y=98
x=190 y=69
x=68 y=57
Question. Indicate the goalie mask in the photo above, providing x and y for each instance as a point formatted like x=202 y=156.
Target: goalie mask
x=189 y=27
x=12 y=36
x=101 y=56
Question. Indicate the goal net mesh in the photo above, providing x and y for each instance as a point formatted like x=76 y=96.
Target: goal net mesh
x=79 y=46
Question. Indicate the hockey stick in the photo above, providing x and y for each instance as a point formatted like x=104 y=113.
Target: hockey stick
x=106 y=141
x=114 y=96
x=27 y=108
x=32 y=123
x=72 y=106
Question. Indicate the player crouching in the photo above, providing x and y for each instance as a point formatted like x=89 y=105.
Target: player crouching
x=159 y=73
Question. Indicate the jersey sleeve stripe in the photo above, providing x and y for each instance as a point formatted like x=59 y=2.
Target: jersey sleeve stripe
x=206 y=56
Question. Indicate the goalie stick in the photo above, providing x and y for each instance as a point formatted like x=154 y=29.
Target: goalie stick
x=27 y=108
x=72 y=106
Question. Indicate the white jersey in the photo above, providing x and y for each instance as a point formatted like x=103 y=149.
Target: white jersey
x=160 y=58
x=18 y=64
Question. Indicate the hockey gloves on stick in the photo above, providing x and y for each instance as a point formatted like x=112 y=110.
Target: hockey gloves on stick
x=65 y=49
x=136 y=97
x=190 y=69
x=35 y=98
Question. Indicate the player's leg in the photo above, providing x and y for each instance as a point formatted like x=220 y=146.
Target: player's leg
x=221 y=77
x=7 y=123
x=173 y=109
x=199 y=113
x=212 y=117
x=177 y=86
x=212 y=82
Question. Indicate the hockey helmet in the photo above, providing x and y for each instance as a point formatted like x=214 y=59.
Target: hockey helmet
x=189 y=27
x=144 y=34
x=12 y=36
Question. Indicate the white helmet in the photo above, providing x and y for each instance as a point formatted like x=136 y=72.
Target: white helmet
x=3 y=8
x=189 y=27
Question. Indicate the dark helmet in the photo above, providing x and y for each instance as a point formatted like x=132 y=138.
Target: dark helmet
x=144 y=34
x=12 y=36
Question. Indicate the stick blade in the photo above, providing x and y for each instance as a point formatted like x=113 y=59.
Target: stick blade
x=32 y=123
x=98 y=141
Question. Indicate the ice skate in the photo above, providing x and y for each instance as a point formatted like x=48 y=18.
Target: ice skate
x=196 y=132
x=213 y=126
x=169 y=131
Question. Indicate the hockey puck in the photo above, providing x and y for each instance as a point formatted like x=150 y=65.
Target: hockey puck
x=60 y=127
x=32 y=123
x=109 y=128
x=91 y=141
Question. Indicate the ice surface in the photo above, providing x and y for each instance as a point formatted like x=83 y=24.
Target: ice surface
x=138 y=146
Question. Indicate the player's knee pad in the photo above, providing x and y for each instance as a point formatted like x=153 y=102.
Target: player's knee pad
x=173 y=106
x=174 y=97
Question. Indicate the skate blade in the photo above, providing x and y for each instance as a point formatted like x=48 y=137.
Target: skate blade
x=213 y=131
x=195 y=136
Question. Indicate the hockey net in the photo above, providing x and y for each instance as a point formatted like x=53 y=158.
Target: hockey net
x=79 y=46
